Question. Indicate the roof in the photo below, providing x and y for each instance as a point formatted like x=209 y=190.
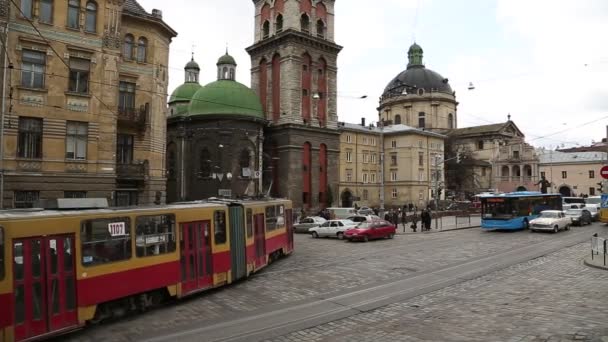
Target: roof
x=133 y=8
x=557 y=157
x=192 y=65
x=226 y=97
x=184 y=92
x=226 y=59
x=497 y=128
x=389 y=130
x=417 y=77
x=517 y=194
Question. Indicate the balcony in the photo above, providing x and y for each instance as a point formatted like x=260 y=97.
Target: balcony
x=134 y=117
x=133 y=171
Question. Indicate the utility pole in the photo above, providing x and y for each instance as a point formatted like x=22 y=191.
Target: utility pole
x=381 y=124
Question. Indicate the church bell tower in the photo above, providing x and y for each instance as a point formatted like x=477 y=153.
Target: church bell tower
x=294 y=71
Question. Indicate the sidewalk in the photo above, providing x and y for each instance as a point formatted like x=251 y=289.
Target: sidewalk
x=443 y=224
x=597 y=262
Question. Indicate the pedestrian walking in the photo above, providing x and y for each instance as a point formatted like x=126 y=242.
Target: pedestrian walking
x=414 y=225
x=426 y=219
x=404 y=219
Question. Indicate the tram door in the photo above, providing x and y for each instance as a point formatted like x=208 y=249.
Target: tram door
x=196 y=256
x=44 y=285
x=260 y=241
x=289 y=228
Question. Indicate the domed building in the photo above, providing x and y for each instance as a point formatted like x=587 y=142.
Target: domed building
x=419 y=97
x=215 y=137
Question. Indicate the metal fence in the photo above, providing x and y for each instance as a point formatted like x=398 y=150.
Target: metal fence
x=598 y=248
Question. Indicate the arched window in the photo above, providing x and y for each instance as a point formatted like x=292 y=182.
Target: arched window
x=305 y=23
x=279 y=24
x=46 y=11
x=245 y=159
x=127 y=49
x=225 y=73
x=205 y=163
x=397 y=119
x=450 y=121
x=90 y=24
x=74 y=14
x=142 y=46
x=320 y=29
x=171 y=161
x=232 y=74
x=266 y=30
x=26 y=8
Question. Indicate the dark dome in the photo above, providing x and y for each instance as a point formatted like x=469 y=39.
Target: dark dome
x=418 y=77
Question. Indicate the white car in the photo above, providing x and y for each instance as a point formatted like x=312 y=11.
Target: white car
x=332 y=228
x=308 y=222
x=552 y=220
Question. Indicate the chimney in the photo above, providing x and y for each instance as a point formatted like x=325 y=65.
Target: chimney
x=157 y=13
x=363 y=122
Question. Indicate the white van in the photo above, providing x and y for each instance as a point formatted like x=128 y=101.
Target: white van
x=573 y=203
x=341 y=213
x=593 y=201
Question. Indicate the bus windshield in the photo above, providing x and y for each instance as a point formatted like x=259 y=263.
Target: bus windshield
x=594 y=200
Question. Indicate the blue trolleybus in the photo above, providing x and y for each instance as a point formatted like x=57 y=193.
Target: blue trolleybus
x=514 y=210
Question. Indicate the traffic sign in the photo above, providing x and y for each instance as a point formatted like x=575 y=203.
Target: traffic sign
x=604 y=172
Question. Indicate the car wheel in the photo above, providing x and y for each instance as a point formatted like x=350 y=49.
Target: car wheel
x=391 y=235
x=555 y=229
x=340 y=236
x=532 y=230
x=567 y=227
x=315 y=235
x=365 y=238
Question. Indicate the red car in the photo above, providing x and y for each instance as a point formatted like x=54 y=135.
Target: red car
x=366 y=231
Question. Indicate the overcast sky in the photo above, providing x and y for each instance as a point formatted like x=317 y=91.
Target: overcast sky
x=545 y=62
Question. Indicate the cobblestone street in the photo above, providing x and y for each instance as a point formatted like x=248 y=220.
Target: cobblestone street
x=550 y=297
x=553 y=298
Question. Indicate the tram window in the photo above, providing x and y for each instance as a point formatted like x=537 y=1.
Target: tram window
x=219 y=223
x=1 y=253
x=155 y=235
x=105 y=240
x=249 y=223
x=271 y=218
x=280 y=211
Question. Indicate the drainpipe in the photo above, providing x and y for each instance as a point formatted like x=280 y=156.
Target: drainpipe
x=2 y=114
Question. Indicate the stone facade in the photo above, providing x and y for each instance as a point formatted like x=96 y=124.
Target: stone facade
x=412 y=165
x=492 y=158
x=64 y=120
x=226 y=140
x=572 y=173
x=294 y=71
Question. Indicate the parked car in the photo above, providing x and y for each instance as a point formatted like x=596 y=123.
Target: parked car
x=595 y=212
x=308 y=222
x=367 y=230
x=553 y=220
x=341 y=213
x=580 y=217
x=365 y=211
x=363 y=218
x=332 y=228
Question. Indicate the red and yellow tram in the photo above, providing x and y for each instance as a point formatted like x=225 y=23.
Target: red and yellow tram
x=62 y=269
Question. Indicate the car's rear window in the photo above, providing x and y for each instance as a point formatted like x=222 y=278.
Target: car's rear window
x=364 y=224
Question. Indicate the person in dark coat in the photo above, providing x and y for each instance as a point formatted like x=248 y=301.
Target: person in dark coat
x=425 y=218
x=414 y=225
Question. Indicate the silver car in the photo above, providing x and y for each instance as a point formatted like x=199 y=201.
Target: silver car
x=308 y=222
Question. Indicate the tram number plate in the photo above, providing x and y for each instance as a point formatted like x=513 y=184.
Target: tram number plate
x=117 y=228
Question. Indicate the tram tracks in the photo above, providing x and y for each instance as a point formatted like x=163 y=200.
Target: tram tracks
x=272 y=322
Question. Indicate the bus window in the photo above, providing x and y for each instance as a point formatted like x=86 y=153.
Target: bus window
x=219 y=223
x=1 y=253
x=249 y=221
x=155 y=235
x=105 y=240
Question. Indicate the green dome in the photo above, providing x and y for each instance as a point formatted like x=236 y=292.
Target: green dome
x=226 y=59
x=184 y=92
x=226 y=97
x=415 y=48
x=192 y=65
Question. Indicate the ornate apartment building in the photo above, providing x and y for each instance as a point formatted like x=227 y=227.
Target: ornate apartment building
x=412 y=165
x=85 y=109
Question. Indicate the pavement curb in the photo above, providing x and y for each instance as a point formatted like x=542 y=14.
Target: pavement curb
x=437 y=230
x=590 y=263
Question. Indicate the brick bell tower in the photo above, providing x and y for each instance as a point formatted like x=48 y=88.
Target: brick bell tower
x=294 y=71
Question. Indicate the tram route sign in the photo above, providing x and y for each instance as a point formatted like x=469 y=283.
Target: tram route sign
x=604 y=172
x=117 y=229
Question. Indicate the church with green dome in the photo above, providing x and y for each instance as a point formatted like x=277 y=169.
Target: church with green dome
x=215 y=136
